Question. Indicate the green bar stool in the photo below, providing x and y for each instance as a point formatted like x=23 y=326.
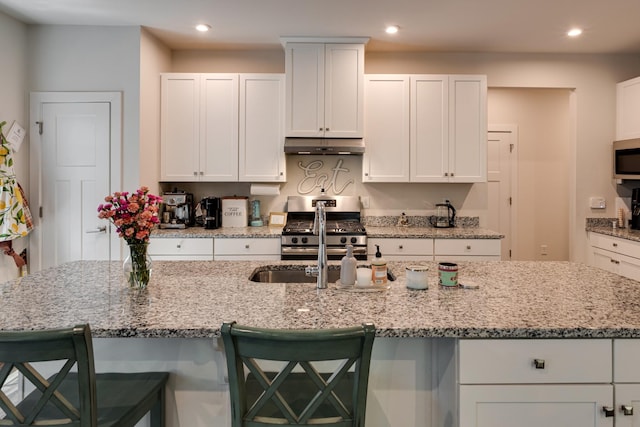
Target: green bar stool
x=275 y=377
x=75 y=396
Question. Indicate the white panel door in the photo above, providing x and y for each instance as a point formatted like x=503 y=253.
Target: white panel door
x=180 y=133
x=499 y=172
x=75 y=180
x=218 y=152
x=467 y=128
x=535 y=405
x=429 y=128
x=261 y=152
x=386 y=157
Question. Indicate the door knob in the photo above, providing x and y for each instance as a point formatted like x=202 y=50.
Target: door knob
x=102 y=229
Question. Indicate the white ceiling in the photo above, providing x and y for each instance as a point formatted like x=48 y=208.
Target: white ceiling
x=528 y=26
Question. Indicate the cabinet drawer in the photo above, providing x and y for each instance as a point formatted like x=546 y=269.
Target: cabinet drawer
x=614 y=244
x=470 y=247
x=181 y=246
x=396 y=246
x=246 y=246
x=513 y=361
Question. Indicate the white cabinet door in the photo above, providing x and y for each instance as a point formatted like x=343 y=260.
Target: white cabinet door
x=467 y=128
x=448 y=128
x=180 y=127
x=429 y=128
x=535 y=405
x=627 y=405
x=261 y=153
x=324 y=89
x=628 y=109
x=344 y=90
x=616 y=255
x=218 y=127
x=386 y=158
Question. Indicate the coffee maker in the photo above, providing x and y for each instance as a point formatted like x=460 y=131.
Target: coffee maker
x=176 y=210
x=211 y=208
x=635 y=209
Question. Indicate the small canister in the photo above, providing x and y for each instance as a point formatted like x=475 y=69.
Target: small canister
x=417 y=277
x=448 y=274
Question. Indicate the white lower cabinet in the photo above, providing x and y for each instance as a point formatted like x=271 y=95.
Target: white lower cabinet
x=616 y=255
x=467 y=249
x=626 y=379
x=181 y=249
x=538 y=382
x=400 y=249
x=246 y=249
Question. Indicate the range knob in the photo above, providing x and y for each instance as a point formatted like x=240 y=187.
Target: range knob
x=294 y=240
x=354 y=239
x=305 y=240
x=343 y=240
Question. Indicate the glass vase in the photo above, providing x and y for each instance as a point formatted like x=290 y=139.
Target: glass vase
x=137 y=266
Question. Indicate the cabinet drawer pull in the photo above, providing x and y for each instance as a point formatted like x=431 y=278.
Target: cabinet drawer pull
x=179 y=245
x=627 y=409
x=608 y=411
x=400 y=247
x=195 y=173
x=320 y=129
x=615 y=245
x=446 y=174
x=468 y=247
x=246 y=246
x=538 y=363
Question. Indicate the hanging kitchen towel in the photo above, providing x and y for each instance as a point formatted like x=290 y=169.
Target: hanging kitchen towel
x=15 y=216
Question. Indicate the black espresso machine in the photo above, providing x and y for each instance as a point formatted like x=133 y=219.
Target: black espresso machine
x=211 y=208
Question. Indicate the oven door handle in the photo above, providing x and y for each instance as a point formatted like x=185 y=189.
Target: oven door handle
x=359 y=250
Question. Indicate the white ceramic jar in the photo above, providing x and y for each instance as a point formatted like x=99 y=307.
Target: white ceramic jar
x=417 y=277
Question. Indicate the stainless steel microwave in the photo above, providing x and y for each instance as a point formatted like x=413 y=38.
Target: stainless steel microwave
x=626 y=159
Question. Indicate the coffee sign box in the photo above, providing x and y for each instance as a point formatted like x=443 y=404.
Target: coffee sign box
x=235 y=211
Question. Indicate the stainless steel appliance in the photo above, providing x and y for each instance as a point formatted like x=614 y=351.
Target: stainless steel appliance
x=343 y=227
x=626 y=159
x=177 y=210
x=445 y=216
x=211 y=208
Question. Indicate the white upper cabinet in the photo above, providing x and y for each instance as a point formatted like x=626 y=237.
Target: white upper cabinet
x=222 y=127
x=386 y=156
x=448 y=128
x=324 y=89
x=261 y=156
x=628 y=109
x=425 y=128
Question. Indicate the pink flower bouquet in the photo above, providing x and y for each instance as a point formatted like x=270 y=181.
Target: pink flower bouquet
x=134 y=215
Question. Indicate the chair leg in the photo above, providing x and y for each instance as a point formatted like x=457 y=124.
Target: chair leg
x=157 y=416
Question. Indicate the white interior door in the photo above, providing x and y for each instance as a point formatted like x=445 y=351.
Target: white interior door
x=72 y=153
x=501 y=167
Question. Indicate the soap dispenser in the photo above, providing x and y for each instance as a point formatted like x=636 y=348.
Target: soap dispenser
x=379 y=268
x=348 y=268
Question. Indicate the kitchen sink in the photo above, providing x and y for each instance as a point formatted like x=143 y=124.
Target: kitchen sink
x=295 y=274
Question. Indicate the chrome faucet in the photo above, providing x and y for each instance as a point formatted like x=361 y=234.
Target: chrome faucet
x=320 y=229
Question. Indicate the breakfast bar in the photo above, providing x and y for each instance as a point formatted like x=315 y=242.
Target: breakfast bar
x=174 y=323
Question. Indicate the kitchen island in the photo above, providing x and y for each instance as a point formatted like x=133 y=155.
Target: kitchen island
x=174 y=323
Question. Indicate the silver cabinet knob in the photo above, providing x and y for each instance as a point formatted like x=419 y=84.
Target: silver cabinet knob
x=615 y=245
x=446 y=174
x=195 y=173
x=320 y=129
x=326 y=129
x=400 y=247
x=468 y=247
x=246 y=246
x=626 y=409
x=538 y=363
x=201 y=173
x=608 y=411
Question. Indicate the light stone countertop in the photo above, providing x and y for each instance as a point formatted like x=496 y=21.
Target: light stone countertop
x=192 y=299
x=622 y=233
x=388 y=232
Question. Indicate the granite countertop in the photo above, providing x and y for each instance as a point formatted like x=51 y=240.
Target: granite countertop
x=389 y=232
x=515 y=299
x=623 y=233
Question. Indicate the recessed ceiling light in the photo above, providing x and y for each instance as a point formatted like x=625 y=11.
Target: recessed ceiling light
x=203 y=28
x=574 y=32
x=392 y=29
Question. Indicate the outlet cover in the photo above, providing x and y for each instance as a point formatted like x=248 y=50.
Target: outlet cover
x=597 y=203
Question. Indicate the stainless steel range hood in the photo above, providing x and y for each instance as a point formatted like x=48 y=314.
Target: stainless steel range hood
x=324 y=146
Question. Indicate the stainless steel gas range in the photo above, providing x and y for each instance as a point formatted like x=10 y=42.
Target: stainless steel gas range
x=343 y=227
